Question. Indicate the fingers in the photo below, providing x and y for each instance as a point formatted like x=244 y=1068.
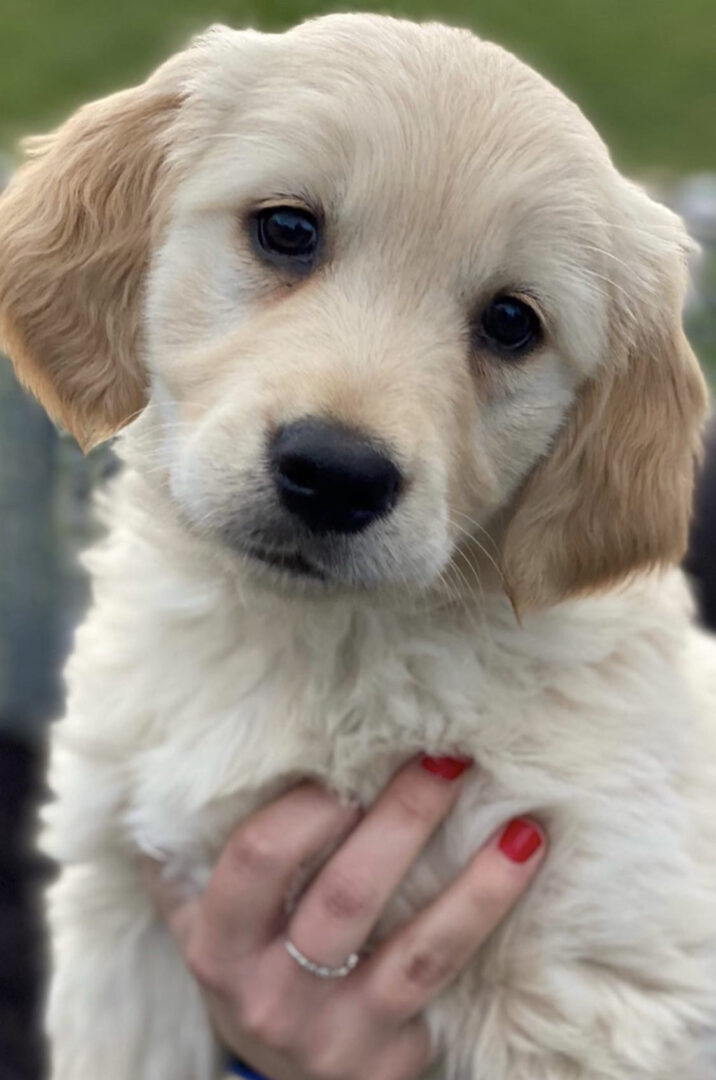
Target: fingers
x=244 y=900
x=410 y=969
x=346 y=900
x=272 y=1012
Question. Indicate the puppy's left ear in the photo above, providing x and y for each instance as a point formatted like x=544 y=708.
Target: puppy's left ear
x=76 y=226
x=614 y=495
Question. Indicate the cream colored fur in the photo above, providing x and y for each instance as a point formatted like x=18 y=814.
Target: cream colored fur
x=517 y=605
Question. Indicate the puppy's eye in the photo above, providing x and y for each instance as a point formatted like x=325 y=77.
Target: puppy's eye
x=287 y=233
x=509 y=325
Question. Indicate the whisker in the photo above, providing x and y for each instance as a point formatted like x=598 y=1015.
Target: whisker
x=471 y=536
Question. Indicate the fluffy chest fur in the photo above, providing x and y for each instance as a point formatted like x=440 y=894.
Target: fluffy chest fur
x=216 y=695
x=193 y=698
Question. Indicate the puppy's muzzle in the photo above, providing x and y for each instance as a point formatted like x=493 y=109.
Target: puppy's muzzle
x=334 y=479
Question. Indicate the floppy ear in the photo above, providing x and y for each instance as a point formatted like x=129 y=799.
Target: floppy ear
x=76 y=226
x=614 y=495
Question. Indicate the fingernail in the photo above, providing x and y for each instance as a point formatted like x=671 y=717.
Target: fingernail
x=520 y=840
x=447 y=767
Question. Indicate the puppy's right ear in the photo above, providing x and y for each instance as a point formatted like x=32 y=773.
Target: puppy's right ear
x=76 y=227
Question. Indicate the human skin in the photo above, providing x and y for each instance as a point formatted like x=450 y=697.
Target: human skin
x=284 y=1021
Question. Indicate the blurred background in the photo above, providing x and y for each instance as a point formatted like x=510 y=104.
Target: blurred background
x=644 y=71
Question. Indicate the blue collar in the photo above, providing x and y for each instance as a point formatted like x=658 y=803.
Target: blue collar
x=237 y=1068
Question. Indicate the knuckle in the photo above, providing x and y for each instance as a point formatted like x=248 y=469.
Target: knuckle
x=344 y=896
x=265 y=1020
x=253 y=851
x=424 y=970
x=410 y=983
x=491 y=899
x=416 y=802
x=203 y=965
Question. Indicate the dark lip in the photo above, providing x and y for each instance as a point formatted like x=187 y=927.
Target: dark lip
x=289 y=562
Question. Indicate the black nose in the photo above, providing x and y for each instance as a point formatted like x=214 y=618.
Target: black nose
x=332 y=478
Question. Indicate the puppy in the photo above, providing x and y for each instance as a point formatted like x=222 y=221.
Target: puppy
x=410 y=428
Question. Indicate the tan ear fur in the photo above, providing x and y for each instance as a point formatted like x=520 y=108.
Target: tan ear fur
x=614 y=495
x=75 y=229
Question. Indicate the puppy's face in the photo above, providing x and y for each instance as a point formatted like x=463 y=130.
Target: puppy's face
x=380 y=285
x=392 y=303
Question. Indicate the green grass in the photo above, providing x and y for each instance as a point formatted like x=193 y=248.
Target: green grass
x=643 y=70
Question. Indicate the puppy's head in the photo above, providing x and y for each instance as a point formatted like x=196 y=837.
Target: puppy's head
x=384 y=301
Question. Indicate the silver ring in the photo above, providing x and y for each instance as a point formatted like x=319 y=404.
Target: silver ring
x=321 y=971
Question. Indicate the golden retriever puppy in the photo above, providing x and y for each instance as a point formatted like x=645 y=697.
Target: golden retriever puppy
x=410 y=427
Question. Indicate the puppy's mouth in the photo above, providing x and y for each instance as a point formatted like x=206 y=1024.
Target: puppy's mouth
x=289 y=562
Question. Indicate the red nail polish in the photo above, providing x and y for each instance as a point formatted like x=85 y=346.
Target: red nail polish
x=447 y=767
x=520 y=840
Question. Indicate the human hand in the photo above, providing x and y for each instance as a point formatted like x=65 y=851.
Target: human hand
x=289 y=1023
